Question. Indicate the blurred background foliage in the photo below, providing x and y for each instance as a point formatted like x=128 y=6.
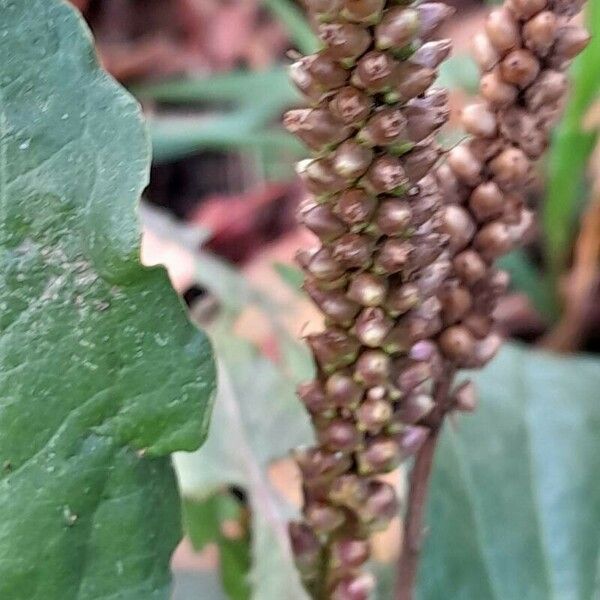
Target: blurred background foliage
x=219 y=211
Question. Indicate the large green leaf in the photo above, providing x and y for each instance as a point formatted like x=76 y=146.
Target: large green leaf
x=514 y=511
x=101 y=374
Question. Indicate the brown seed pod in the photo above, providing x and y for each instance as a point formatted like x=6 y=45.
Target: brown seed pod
x=346 y=42
x=351 y=105
x=503 y=30
x=355 y=207
x=397 y=29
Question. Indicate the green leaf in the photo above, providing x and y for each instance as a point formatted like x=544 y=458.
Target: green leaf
x=515 y=505
x=526 y=278
x=571 y=149
x=237 y=87
x=290 y=275
x=459 y=72
x=204 y=523
x=257 y=408
x=102 y=376
x=296 y=24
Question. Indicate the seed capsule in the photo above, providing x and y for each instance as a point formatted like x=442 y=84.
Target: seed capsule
x=431 y=16
x=571 y=40
x=386 y=128
x=346 y=42
x=367 y=289
x=367 y=12
x=326 y=71
x=355 y=207
x=386 y=175
x=525 y=9
x=414 y=408
x=340 y=435
x=493 y=240
x=353 y=251
x=431 y=54
x=373 y=415
x=523 y=129
x=372 y=368
x=351 y=106
x=456 y=303
x=397 y=29
x=487 y=201
x=432 y=276
x=324 y=518
x=549 y=87
x=402 y=298
x=469 y=266
x=511 y=168
x=412 y=374
x=317 y=128
x=392 y=256
x=424 y=117
x=420 y=160
x=380 y=507
x=412 y=439
x=374 y=72
x=381 y=455
x=343 y=391
x=321 y=265
x=520 y=67
x=479 y=325
x=459 y=226
x=320 y=177
x=333 y=349
x=324 y=10
x=479 y=121
x=318 y=466
x=354 y=587
x=568 y=8
x=457 y=343
x=465 y=165
x=410 y=81
x=503 y=30
x=484 y=52
x=313 y=397
x=319 y=218
x=351 y=160
x=540 y=32
x=333 y=303
x=372 y=327
x=349 y=491
x=306 y=548
x=349 y=553
x=393 y=217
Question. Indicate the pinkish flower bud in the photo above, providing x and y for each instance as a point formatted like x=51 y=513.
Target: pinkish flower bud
x=457 y=343
x=334 y=303
x=431 y=16
x=321 y=265
x=571 y=40
x=306 y=548
x=496 y=91
x=402 y=298
x=314 y=398
x=349 y=554
x=432 y=54
x=374 y=72
x=414 y=408
x=458 y=224
x=520 y=67
x=386 y=128
x=487 y=201
x=479 y=120
x=411 y=439
x=484 y=52
x=410 y=81
x=539 y=33
x=315 y=127
x=380 y=507
x=386 y=175
x=393 y=256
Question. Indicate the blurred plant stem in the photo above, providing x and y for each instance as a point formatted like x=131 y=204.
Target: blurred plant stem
x=568 y=158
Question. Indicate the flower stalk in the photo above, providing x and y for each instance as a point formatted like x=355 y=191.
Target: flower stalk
x=404 y=272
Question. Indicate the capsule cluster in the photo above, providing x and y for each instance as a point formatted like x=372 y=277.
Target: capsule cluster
x=523 y=53
x=378 y=274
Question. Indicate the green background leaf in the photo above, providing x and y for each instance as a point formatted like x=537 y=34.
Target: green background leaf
x=101 y=374
x=515 y=501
